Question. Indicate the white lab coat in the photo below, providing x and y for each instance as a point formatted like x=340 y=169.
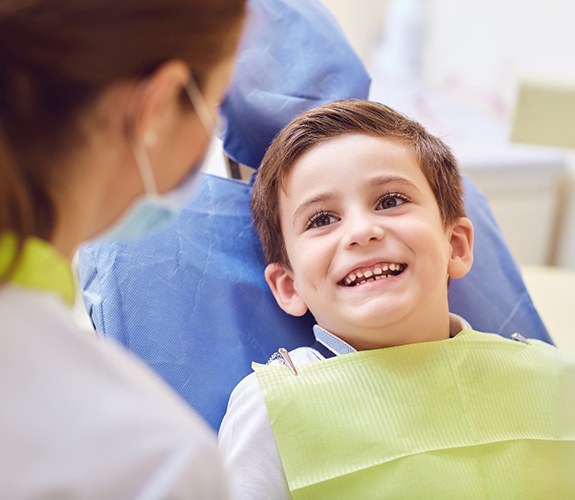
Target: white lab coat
x=81 y=419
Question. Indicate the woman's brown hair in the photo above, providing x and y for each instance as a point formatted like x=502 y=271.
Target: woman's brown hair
x=335 y=119
x=58 y=56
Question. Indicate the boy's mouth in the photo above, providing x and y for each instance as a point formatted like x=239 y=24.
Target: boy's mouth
x=376 y=272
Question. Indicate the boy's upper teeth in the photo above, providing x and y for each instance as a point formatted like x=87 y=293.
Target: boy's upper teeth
x=375 y=272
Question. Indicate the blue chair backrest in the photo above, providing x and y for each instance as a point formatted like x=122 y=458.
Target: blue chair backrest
x=191 y=300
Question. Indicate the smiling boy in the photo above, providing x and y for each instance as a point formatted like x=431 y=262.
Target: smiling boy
x=362 y=222
x=369 y=251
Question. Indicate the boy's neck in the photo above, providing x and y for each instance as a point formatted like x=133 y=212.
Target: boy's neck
x=441 y=327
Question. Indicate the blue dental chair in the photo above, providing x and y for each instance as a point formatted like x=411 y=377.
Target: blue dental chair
x=191 y=300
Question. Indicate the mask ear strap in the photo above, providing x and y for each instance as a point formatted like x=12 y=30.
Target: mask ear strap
x=200 y=105
x=145 y=169
x=140 y=155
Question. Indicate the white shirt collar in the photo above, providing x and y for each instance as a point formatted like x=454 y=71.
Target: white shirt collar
x=339 y=346
x=331 y=342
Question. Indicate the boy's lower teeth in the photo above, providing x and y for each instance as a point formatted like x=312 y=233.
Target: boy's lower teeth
x=390 y=274
x=372 y=278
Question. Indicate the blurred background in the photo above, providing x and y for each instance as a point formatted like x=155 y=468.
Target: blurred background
x=459 y=67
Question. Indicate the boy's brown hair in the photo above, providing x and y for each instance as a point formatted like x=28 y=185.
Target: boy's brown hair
x=333 y=120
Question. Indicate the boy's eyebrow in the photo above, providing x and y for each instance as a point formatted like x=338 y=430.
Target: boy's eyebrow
x=374 y=181
x=386 y=179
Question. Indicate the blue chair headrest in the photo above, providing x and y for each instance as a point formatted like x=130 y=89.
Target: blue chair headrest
x=293 y=57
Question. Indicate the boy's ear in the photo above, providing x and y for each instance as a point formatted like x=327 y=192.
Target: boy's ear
x=461 y=242
x=280 y=280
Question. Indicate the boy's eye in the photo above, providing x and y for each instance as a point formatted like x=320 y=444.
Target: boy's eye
x=391 y=200
x=321 y=219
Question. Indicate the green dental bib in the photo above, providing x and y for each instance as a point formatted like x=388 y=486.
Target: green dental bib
x=476 y=416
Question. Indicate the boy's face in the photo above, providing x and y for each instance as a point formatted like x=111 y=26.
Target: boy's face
x=370 y=256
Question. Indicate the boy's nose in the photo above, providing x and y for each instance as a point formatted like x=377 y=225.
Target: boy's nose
x=362 y=232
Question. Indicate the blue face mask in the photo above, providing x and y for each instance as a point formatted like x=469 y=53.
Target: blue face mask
x=152 y=211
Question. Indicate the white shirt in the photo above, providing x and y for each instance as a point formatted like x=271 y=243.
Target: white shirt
x=246 y=438
x=81 y=419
